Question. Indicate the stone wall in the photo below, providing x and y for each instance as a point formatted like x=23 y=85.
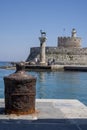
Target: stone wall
x=61 y=55
x=34 y=52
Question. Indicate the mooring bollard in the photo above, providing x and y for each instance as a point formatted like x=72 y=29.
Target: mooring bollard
x=20 y=91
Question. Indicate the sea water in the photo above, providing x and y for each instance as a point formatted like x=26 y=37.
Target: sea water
x=55 y=85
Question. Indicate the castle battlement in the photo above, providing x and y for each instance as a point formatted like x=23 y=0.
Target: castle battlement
x=72 y=41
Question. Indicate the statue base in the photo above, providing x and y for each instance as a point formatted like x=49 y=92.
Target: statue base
x=43 y=63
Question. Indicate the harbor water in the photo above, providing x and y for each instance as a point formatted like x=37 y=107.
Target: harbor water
x=55 y=85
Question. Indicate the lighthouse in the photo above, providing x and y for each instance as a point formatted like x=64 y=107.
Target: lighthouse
x=73 y=33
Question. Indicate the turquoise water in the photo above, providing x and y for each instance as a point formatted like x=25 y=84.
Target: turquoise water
x=62 y=85
x=56 y=85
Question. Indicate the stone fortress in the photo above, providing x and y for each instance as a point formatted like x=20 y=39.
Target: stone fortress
x=72 y=41
x=68 y=51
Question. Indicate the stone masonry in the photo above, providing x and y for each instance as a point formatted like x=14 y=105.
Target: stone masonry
x=72 y=41
x=61 y=55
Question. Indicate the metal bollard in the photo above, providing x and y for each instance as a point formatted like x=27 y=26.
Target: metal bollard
x=20 y=92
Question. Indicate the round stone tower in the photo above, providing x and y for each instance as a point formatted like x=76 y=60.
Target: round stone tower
x=72 y=41
x=42 y=47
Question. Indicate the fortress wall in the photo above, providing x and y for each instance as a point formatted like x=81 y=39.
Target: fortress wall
x=34 y=52
x=67 y=55
x=68 y=59
x=69 y=42
x=62 y=55
x=62 y=50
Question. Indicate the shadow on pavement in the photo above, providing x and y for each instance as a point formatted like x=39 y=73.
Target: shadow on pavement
x=44 y=124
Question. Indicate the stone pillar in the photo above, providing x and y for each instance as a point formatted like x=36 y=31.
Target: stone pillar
x=42 y=48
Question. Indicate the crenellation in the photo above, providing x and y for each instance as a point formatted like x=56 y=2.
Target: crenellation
x=72 y=41
x=69 y=42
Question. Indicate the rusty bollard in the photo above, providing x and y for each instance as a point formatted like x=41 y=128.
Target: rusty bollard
x=20 y=92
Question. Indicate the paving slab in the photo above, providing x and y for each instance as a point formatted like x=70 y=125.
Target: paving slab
x=58 y=114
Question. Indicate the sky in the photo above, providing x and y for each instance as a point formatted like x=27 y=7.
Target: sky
x=22 y=20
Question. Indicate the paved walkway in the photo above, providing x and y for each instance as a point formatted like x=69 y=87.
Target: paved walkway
x=50 y=114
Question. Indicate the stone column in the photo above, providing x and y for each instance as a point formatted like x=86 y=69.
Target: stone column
x=42 y=48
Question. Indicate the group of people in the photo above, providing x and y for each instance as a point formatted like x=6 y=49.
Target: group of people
x=37 y=60
x=51 y=62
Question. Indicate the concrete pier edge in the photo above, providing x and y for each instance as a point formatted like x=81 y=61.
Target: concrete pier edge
x=57 y=68
x=46 y=108
x=58 y=114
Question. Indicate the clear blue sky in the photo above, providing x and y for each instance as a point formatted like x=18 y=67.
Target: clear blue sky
x=21 y=21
